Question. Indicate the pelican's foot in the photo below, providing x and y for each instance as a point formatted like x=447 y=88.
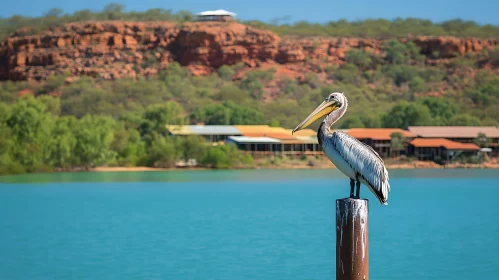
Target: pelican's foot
x=358 y=190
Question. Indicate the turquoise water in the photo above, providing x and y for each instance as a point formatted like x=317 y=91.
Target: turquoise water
x=440 y=224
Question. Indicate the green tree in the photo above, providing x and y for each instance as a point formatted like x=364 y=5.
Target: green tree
x=359 y=58
x=232 y=93
x=482 y=140
x=192 y=147
x=395 y=52
x=226 y=156
x=312 y=80
x=185 y=15
x=405 y=114
x=352 y=122
x=53 y=104
x=30 y=125
x=254 y=81
x=226 y=72
x=63 y=143
x=4 y=112
x=228 y=113
x=397 y=143
x=489 y=122
x=347 y=74
x=216 y=114
x=417 y=84
x=162 y=152
x=253 y=86
x=400 y=73
x=7 y=163
x=371 y=120
x=485 y=94
x=441 y=110
x=94 y=136
x=156 y=117
x=274 y=123
x=287 y=86
x=129 y=147
x=52 y=84
x=244 y=115
x=464 y=120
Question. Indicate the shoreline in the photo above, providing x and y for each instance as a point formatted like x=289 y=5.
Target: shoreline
x=274 y=164
x=404 y=166
x=267 y=164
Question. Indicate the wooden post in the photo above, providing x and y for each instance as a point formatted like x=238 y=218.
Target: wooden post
x=352 y=246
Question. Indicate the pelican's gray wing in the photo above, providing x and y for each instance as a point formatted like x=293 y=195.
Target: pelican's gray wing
x=365 y=161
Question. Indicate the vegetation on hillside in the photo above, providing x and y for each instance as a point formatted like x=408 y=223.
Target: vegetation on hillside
x=373 y=28
x=378 y=88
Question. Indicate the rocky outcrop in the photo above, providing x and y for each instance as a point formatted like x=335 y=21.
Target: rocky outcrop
x=100 y=49
x=448 y=47
x=331 y=50
x=114 y=49
x=217 y=44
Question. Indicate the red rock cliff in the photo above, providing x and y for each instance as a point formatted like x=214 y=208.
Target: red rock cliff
x=114 y=49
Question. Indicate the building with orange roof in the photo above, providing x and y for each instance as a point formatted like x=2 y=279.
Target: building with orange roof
x=464 y=134
x=440 y=149
x=380 y=139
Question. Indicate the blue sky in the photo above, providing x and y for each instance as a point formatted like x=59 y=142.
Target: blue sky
x=481 y=11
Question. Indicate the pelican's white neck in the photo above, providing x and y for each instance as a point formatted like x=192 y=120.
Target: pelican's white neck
x=334 y=116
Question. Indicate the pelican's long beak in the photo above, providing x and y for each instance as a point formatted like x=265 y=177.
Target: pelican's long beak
x=325 y=108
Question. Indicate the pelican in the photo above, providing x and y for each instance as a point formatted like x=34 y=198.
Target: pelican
x=353 y=158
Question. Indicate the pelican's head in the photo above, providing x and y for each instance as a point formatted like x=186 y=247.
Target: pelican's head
x=333 y=102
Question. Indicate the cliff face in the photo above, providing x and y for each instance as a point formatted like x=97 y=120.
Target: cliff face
x=117 y=49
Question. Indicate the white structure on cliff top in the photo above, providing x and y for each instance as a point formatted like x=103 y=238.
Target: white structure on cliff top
x=218 y=15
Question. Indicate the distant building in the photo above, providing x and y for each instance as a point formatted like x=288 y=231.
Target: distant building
x=259 y=140
x=380 y=139
x=218 y=15
x=440 y=149
x=303 y=142
x=212 y=133
x=255 y=145
x=463 y=134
